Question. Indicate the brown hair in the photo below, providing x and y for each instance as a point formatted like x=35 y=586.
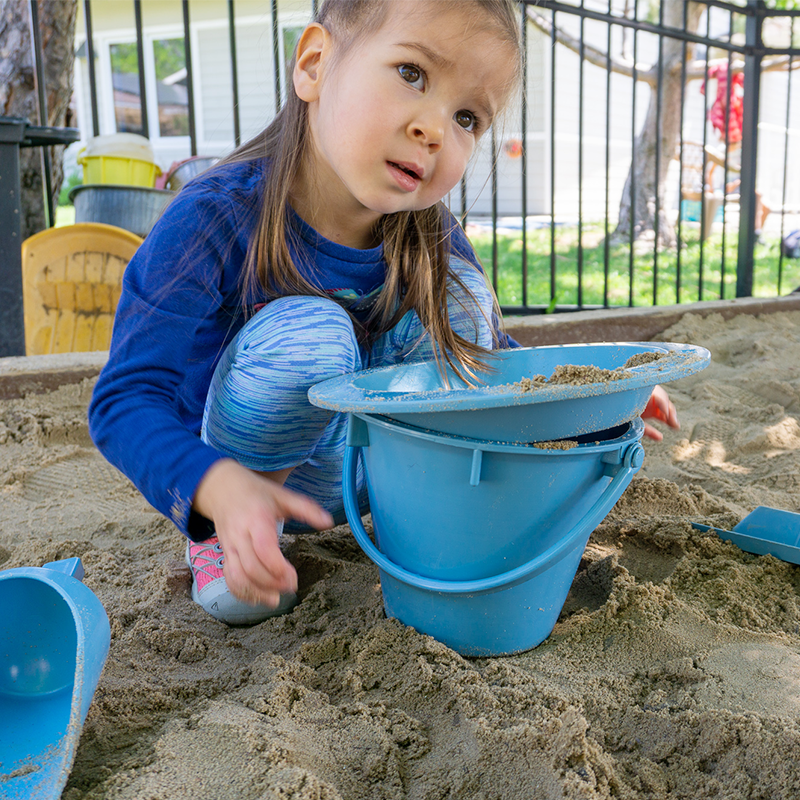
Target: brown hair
x=416 y=243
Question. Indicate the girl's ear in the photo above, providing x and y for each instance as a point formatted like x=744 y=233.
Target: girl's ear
x=312 y=52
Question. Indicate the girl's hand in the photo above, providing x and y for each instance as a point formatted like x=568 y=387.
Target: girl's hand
x=661 y=408
x=245 y=508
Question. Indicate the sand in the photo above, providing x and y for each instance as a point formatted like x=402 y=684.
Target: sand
x=673 y=672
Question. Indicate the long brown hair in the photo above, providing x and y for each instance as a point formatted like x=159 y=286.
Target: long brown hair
x=416 y=244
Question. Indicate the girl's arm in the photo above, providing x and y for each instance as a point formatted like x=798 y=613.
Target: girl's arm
x=180 y=306
x=146 y=408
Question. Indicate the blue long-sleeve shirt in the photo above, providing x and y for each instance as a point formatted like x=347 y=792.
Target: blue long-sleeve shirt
x=181 y=305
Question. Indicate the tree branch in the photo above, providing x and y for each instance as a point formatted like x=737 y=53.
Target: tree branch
x=593 y=55
x=648 y=73
x=697 y=69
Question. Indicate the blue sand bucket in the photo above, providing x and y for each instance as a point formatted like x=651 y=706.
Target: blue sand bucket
x=454 y=508
x=54 y=639
x=478 y=543
x=506 y=410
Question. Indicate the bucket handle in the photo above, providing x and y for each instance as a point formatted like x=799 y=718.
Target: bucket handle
x=631 y=462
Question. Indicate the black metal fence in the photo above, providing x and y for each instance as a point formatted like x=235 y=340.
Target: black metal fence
x=597 y=254
x=599 y=131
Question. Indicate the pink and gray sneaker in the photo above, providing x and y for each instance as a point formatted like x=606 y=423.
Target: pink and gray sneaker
x=210 y=590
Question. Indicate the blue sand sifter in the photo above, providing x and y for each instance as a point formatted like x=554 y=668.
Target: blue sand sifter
x=54 y=639
x=506 y=407
x=481 y=510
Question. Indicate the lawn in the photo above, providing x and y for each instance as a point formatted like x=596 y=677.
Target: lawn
x=620 y=266
x=65 y=215
x=718 y=278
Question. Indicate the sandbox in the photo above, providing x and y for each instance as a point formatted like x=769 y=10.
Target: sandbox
x=672 y=671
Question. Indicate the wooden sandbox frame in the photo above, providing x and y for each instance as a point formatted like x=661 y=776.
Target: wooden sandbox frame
x=21 y=376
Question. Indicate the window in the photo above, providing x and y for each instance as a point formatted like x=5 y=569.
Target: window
x=125 y=83
x=169 y=95
x=169 y=58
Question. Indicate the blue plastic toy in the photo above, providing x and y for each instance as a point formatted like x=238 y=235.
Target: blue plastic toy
x=507 y=408
x=478 y=534
x=764 y=531
x=478 y=543
x=54 y=639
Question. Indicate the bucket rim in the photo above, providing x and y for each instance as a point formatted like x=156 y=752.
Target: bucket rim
x=106 y=187
x=55 y=581
x=635 y=429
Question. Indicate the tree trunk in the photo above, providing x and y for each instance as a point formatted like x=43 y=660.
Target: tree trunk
x=648 y=182
x=18 y=93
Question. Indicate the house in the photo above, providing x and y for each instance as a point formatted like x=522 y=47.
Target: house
x=583 y=127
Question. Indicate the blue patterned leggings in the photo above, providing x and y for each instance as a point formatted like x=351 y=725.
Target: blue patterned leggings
x=257 y=410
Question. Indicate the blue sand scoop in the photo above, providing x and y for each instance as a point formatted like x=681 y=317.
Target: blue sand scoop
x=765 y=531
x=507 y=406
x=54 y=639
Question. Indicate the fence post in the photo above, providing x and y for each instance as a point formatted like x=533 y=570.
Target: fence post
x=747 y=189
x=12 y=319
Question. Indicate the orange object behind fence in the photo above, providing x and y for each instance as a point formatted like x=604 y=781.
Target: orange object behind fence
x=72 y=278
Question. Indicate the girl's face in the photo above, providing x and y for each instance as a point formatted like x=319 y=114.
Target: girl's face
x=394 y=121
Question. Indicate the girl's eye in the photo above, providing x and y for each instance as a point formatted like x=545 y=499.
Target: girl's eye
x=467 y=120
x=413 y=75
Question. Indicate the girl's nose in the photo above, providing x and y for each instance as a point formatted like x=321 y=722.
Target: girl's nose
x=428 y=131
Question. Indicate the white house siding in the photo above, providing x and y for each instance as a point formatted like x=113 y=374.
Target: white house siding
x=772 y=141
x=213 y=78
x=256 y=78
x=214 y=106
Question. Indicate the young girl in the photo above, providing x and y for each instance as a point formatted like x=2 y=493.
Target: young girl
x=319 y=248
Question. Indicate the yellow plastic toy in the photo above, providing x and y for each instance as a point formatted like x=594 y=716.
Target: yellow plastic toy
x=72 y=279
x=125 y=159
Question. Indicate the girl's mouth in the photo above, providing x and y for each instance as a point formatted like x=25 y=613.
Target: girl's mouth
x=405 y=175
x=407 y=170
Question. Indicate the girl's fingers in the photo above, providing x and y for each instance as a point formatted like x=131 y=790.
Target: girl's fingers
x=652 y=411
x=264 y=563
x=661 y=408
x=290 y=505
x=255 y=569
x=238 y=583
x=652 y=433
x=253 y=580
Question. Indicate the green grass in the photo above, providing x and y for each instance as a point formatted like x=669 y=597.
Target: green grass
x=714 y=287
x=65 y=215
x=70 y=182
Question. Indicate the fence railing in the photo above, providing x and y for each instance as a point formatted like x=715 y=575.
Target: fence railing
x=615 y=181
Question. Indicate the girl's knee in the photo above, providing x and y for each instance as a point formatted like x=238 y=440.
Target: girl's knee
x=257 y=408
x=313 y=331
x=471 y=306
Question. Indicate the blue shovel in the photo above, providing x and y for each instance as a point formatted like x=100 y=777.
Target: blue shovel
x=764 y=531
x=54 y=639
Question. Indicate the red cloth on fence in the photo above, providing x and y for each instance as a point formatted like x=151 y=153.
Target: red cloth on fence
x=717 y=113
